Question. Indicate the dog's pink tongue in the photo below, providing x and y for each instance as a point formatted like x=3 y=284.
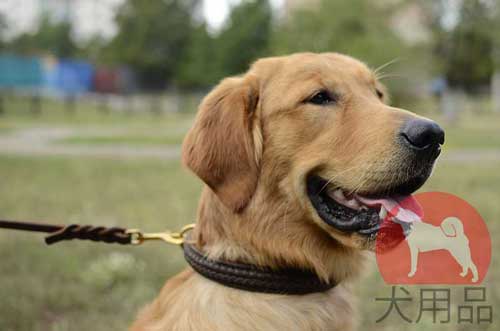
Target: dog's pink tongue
x=404 y=208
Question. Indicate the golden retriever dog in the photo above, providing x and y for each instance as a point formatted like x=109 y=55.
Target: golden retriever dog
x=287 y=152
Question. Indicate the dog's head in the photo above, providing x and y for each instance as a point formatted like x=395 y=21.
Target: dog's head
x=301 y=146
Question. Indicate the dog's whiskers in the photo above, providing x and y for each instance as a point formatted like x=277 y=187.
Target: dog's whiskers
x=377 y=70
x=332 y=179
x=383 y=76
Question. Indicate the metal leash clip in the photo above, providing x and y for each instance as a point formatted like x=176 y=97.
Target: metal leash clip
x=137 y=237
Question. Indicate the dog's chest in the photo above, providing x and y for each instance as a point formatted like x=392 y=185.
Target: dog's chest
x=229 y=309
x=189 y=302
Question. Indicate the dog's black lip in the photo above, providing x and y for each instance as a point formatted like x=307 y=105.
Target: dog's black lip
x=365 y=222
x=370 y=231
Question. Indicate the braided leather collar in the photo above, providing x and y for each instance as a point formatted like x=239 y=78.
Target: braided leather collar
x=251 y=278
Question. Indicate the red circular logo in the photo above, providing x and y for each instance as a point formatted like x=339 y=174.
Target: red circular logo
x=450 y=244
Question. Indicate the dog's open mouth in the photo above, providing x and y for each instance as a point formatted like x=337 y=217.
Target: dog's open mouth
x=362 y=214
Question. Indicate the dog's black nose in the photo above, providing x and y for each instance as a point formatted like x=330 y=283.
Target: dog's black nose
x=422 y=134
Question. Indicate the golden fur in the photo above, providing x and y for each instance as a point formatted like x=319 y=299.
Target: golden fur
x=253 y=143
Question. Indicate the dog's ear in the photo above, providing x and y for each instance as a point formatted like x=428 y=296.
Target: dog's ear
x=223 y=146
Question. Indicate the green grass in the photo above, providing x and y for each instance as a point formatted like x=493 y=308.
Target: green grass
x=125 y=140
x=18 y=115
x=4 y=127
x=474 y=131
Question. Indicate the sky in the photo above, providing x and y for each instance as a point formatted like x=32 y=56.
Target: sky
x=91 y=17
x=216 y=11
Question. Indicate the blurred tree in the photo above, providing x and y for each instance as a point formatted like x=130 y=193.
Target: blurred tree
x=465 y=52
x=197 y=68
x=50 y=37
x=496 y=36
x=152 y=36
x=359 y=28
x=93 y=49
x=244 y=38
x=3 y=28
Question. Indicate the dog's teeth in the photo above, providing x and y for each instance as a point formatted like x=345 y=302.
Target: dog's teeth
x=383 y=213
x=338 y=194
x=353 y=203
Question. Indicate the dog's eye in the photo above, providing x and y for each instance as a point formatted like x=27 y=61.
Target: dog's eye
x=380 y=94
x=322 y=98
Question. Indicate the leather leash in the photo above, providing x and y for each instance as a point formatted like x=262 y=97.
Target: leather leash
x=247 y=277
x=109 y=235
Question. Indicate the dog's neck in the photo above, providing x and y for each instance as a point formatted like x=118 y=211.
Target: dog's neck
x=278 y=241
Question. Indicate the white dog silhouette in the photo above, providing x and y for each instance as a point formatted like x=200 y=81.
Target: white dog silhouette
x=425 y=237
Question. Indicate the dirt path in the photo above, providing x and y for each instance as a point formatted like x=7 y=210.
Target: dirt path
x=46 y=142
